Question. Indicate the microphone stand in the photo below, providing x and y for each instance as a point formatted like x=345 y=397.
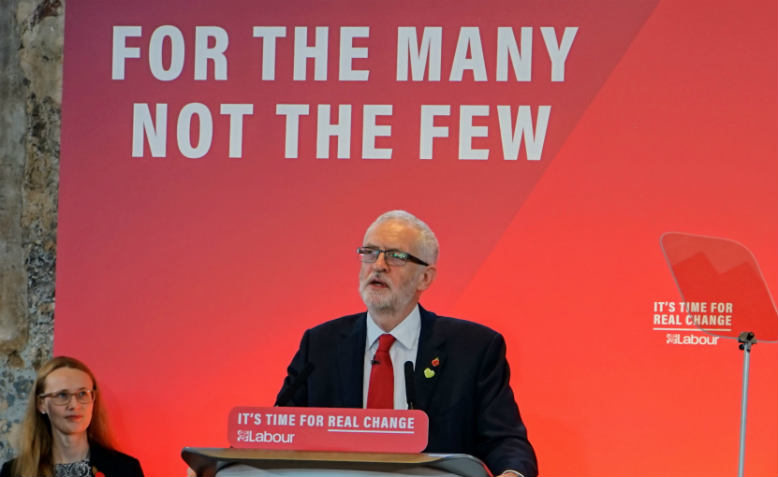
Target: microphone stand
x=746 y=340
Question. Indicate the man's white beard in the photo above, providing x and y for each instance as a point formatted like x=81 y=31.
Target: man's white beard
x=377 y=301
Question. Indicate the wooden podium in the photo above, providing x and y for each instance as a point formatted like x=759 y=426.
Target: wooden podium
x=210 y=462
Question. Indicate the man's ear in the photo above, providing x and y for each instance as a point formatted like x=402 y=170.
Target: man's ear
x=427 y=277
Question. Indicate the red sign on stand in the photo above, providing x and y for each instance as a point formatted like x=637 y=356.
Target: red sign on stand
x=328 y=429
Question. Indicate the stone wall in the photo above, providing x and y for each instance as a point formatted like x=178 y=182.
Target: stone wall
x=31 y=39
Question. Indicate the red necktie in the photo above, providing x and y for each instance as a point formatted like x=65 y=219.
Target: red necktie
x=380 y=393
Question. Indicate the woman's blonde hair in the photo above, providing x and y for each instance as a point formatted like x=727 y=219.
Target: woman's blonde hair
x=35 y=439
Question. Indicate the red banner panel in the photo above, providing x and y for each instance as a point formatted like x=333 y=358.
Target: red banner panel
x=220 y=162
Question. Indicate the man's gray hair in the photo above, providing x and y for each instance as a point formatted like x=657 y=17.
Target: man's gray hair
x=429 y=242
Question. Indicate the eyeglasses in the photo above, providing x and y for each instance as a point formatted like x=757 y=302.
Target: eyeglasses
x=395 y=258
x=62 y=398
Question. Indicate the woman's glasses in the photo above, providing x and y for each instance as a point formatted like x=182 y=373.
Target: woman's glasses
x=62 y=398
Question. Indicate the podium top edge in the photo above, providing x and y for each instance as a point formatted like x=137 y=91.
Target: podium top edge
x=317 y=456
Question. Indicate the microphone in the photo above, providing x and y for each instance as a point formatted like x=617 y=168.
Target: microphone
x=410 y=387
x=288 y=392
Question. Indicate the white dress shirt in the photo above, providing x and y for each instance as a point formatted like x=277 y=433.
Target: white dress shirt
x=404 y=349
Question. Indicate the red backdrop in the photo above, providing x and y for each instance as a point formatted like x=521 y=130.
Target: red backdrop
x=186 y=282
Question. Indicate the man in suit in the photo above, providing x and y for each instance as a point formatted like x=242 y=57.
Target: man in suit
x=461 y=374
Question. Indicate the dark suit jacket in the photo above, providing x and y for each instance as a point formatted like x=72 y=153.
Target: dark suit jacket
x=469 y=401
x=109 y=462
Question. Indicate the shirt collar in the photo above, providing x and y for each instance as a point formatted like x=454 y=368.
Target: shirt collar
x=407 y=332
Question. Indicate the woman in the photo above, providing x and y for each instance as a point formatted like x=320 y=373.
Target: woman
x=64 y=432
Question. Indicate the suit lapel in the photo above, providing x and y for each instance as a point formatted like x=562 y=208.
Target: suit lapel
x=351 y=355
x=430 y=360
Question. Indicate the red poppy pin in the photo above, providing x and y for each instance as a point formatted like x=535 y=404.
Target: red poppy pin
x=435 y=362
x=96 y=472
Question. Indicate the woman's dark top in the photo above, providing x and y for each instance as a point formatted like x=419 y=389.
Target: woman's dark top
x=105 y=462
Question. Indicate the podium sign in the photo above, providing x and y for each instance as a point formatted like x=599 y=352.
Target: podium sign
x=328 y=429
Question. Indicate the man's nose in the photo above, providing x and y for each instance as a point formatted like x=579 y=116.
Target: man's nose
x=380 y=262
